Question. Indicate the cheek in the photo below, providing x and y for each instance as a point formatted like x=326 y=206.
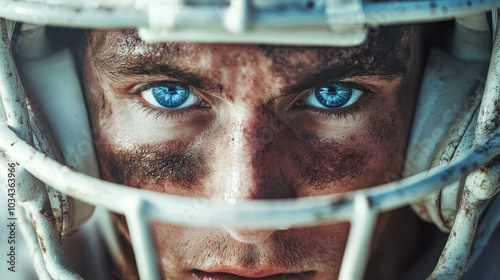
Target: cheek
x=153 y=167
x=167 y=166
x=329 y=167
x=131 y=154
x=338 y=159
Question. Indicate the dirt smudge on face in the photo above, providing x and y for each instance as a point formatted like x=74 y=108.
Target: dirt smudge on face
x=385 y=52
x=175 y=163
x=323 y=162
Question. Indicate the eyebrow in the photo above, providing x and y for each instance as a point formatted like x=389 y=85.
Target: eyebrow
x=384 y=56
x=128 y=66
x=132 y=67
x=119 y=64
x=338 y=72
x=116 y=64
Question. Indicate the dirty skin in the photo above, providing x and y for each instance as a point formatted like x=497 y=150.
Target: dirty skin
x=254 y=144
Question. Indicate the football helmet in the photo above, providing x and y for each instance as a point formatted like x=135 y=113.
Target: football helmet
x=451 y=178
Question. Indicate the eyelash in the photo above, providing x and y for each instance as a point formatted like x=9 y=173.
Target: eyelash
x=143 y=107
x=358 y=108
x=147 y=111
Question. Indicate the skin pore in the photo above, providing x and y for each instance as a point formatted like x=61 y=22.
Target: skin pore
x=252 y=133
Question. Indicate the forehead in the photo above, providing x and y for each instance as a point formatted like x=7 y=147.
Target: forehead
x=122 y=52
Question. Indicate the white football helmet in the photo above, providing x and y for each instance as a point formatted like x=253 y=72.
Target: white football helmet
x=451 y=179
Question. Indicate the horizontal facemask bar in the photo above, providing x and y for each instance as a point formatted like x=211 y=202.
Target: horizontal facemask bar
x=141 y=207
x=280 y=213
x=322 y=22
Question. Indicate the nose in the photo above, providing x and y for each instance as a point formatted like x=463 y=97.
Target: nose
x=254 y=158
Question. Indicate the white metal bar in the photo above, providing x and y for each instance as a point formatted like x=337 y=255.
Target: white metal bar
x=17 y=118
x=483 y=183
x=487 y=226
x=457 y=249
x=138 y=221
x=250 y=214
x=360 y=235
x=345 y=16
x=30 y=192
x=78 y=14
x=49 y=239
x=29 y=236
x=424 y=11
x=110 y=236
x=310 y=36
x=11 y=88
x=172 y=15
x=237 y=16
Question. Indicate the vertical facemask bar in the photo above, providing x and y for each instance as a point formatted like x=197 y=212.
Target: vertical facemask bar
x=345 y=16
x=237 y=16
x=59 y=119
x=481 y=184
x=138 y=221
x=30 y=191
x=324 y=22
x=363 y=223
x=17 y=116
x=485 y=231
x=457 y=249
x=484 y=182
x=110 y=237
x=31 y=240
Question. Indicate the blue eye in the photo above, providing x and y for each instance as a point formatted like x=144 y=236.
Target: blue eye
x=170 y=96
x=332 y=96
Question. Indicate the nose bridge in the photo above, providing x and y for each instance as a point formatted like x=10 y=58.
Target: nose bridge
x=250 y=132
x=252 y=174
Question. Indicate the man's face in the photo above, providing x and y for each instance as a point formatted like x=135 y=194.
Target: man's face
x=240 y=122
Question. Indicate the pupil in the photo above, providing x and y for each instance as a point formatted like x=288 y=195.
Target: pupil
x=170 y=96
x=333 y=96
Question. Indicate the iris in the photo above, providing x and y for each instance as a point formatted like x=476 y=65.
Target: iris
x=333 y=95
x=170 y=96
